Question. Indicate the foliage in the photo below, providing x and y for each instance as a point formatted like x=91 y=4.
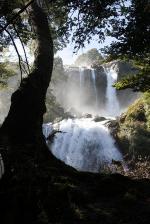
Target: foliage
x=123 y=20
x=133 y=34
x=139 y=82
x=91 y=57
x=81 y=18
x=131 y=31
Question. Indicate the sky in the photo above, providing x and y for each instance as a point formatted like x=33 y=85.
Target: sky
x=67 y=53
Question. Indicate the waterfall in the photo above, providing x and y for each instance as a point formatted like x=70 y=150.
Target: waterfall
x=95 y=88
x=84 y=144
x=81 y=72
x=112 y=104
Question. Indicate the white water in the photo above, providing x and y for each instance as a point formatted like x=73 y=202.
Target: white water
x=95 y=88
x=83 y=144
x=112 y=103
x=81 y=72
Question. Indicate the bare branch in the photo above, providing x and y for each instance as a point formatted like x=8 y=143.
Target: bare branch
x=16 y=49
x=26 y=59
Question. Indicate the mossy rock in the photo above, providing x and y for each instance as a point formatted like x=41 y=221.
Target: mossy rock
x=133 y=131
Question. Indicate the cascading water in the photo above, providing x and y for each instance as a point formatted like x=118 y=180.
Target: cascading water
x=83 y=144
x=95 y=87
x=81 y=72
x=112 y=104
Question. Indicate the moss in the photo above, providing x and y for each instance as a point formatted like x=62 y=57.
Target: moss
x=133 y=133
x=136 y=112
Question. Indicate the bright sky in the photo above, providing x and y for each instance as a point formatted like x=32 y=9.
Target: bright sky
x=67 y=53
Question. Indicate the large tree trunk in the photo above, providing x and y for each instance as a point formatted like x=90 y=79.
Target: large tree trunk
x=25 y=118
x=22 y=145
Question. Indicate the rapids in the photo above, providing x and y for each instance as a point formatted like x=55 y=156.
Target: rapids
x=83 y=144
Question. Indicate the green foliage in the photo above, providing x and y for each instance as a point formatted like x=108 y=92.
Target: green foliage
x=136 y=112
x=139 y=82
x=131 y=31
x=91 y=57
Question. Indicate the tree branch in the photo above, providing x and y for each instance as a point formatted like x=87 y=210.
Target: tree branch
x=16 y=15
x=22 y=47
x=19 y=57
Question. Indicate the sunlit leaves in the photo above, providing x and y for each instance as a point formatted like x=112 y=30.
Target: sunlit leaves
x=139 y=82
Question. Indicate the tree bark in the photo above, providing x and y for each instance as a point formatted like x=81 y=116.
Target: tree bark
x=25 y=117
x=22 y=144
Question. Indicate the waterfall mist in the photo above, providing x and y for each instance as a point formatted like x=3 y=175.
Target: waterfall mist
x=89 y=90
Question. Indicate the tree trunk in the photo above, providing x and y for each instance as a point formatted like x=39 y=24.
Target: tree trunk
x=22 y=145
x=25 y=117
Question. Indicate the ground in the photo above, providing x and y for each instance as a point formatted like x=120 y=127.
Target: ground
x=42 y=189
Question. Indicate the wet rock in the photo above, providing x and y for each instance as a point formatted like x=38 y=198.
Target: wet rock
x=99 y=119
x=87 y=115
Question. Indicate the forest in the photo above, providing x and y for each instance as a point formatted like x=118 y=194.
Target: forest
x=75 y=137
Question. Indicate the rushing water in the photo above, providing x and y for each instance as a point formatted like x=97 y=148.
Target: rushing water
x=95 y=87
x=83 y=144
x=81 y=72
x=112 y=104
